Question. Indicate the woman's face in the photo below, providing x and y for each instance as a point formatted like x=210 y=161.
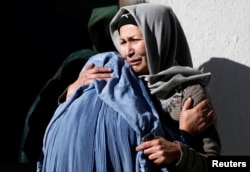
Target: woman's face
x=132 y=48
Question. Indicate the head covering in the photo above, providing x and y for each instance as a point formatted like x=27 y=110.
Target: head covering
x=98 y=27
x=168 y=56
x=164 y=38
x=126 y=19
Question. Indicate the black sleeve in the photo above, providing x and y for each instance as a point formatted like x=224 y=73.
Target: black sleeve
x=187 y=137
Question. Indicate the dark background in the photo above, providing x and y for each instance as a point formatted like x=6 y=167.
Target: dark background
x=36 y=37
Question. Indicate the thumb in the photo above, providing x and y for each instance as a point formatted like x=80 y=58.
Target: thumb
x=188 y=104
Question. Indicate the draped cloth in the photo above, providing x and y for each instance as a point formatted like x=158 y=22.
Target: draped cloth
x=99 y=126
x=168 y=86
x=168 y=55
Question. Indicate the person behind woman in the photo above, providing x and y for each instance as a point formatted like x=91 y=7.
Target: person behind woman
x=155 y=47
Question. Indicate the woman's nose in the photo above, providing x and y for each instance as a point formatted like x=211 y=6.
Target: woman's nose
x=129 y=50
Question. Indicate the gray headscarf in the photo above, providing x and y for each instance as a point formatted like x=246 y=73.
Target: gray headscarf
x=165 y=41
x=168 y=55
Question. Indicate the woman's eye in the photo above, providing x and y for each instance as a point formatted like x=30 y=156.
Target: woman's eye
x=122 y=42
x=136 y=40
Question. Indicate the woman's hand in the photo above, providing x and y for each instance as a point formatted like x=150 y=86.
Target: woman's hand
x=87 y=76
x=160 y=150
x=195 y=120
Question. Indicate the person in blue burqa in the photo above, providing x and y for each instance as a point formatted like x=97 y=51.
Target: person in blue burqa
x=42 y=109
x=148 y=86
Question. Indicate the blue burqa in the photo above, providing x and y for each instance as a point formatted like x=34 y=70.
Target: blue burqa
x=99 y=126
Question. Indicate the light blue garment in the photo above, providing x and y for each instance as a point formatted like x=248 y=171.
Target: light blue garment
x=99 y=126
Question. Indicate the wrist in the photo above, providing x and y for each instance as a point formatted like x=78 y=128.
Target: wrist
x=71 y=88
x=177 y=154
x=187 y=129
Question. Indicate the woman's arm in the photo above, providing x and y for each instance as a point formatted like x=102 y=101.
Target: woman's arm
x=197 y=123
x=185 y=158
x=86 y=77
x=204 y=141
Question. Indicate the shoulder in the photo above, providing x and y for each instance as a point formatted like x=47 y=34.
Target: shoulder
x=196 y=91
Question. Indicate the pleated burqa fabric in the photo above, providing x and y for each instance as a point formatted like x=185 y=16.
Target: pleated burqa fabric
x=99 y=126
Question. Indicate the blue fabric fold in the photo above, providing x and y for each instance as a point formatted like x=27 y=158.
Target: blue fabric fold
x=99 y=126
